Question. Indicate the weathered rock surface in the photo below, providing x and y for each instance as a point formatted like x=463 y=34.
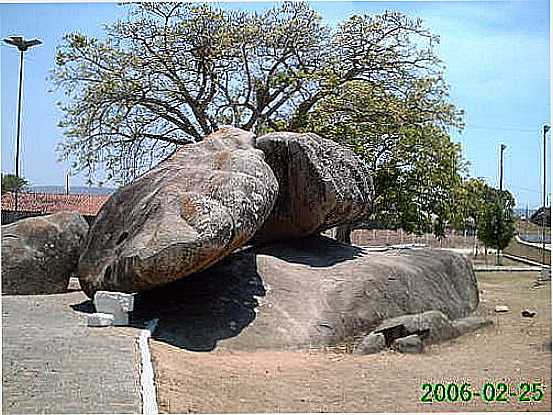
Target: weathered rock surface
x=404 y=333
x=371 y=343
x=190 y=211
x=432 y=326
x=39 y=254
x=321 y=185
x=409 y=344
x=470 y=323
x=310 y=292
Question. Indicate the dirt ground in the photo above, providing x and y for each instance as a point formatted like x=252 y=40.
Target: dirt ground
x=514 y=350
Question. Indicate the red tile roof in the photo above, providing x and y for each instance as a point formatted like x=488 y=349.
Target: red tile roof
x=47 y=203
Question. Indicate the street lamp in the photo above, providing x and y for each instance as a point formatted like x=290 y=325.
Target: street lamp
x=546 y=128
x=23 y=45
x=502 y=149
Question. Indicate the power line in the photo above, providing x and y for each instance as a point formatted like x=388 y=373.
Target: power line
x=524 y=188
x=522 y=130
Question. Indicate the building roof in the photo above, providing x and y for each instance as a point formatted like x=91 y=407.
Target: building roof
x=46 y=203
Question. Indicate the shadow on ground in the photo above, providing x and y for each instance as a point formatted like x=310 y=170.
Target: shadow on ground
x=198 y=311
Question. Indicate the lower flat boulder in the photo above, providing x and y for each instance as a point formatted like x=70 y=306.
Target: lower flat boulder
x=431 y=326
x=310 y=292
x=40 y=254
x=193 y=209
x=321 y=185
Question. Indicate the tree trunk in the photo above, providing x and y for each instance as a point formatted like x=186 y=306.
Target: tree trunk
x=343 y=234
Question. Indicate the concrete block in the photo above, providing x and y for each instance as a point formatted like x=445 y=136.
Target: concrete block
x=121 y=319
x=100 y=320
x=113 y=302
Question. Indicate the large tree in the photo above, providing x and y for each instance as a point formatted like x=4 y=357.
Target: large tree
x=416 y=166
x=170 y=73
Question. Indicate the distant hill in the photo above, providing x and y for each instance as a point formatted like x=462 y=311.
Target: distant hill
x=83 y=190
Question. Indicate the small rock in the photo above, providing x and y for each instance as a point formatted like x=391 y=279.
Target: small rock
x=528 y=313
x=100 y=320
x=371 y=343
x=408 y=344
x=501 y=309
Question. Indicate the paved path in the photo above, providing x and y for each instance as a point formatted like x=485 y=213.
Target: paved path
x=53 y=363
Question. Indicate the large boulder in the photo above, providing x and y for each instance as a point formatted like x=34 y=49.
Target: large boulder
x=321 y=185
x=39 y=254
x=190 y=211
x=308 y=292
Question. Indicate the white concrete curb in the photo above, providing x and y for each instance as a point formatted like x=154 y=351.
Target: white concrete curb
x=149 y=403
x=533 y=244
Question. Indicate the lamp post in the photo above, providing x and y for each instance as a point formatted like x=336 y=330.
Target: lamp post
x=546 y=128
x=22 y=45
x=502 y=149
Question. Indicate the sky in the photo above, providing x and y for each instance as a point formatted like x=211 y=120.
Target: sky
x=498 y=68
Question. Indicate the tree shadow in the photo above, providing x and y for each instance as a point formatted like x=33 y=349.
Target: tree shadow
x=199 y=310
x=316 y=251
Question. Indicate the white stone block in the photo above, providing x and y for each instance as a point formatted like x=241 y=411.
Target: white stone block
x=121 y=319
x=113 y=302
x=100 y=320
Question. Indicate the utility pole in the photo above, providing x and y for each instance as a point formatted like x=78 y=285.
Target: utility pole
x=546 y=128
x=22 y=45
x=502 y=149
x=67 y=183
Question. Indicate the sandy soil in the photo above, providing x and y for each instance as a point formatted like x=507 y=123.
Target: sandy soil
x=513 y=350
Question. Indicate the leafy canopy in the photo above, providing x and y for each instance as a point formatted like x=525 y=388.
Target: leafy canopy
x=12 y=183
x=496 y=225
x=170 y=73
x=417 y=168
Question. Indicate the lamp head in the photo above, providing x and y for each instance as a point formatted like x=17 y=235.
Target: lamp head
x=546 y=128
x=21 y=43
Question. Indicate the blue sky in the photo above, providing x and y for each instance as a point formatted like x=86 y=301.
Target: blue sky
x=497 y=57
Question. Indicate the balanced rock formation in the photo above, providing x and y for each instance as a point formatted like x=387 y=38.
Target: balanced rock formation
x=321 y=185
x=187 y=213
x=309 y=292
x=39 y=254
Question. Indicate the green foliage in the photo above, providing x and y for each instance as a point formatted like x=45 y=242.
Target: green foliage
x=12 y=183
x=171 y=73
x=417 y=168
x=470 y=199
x=496 y=225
